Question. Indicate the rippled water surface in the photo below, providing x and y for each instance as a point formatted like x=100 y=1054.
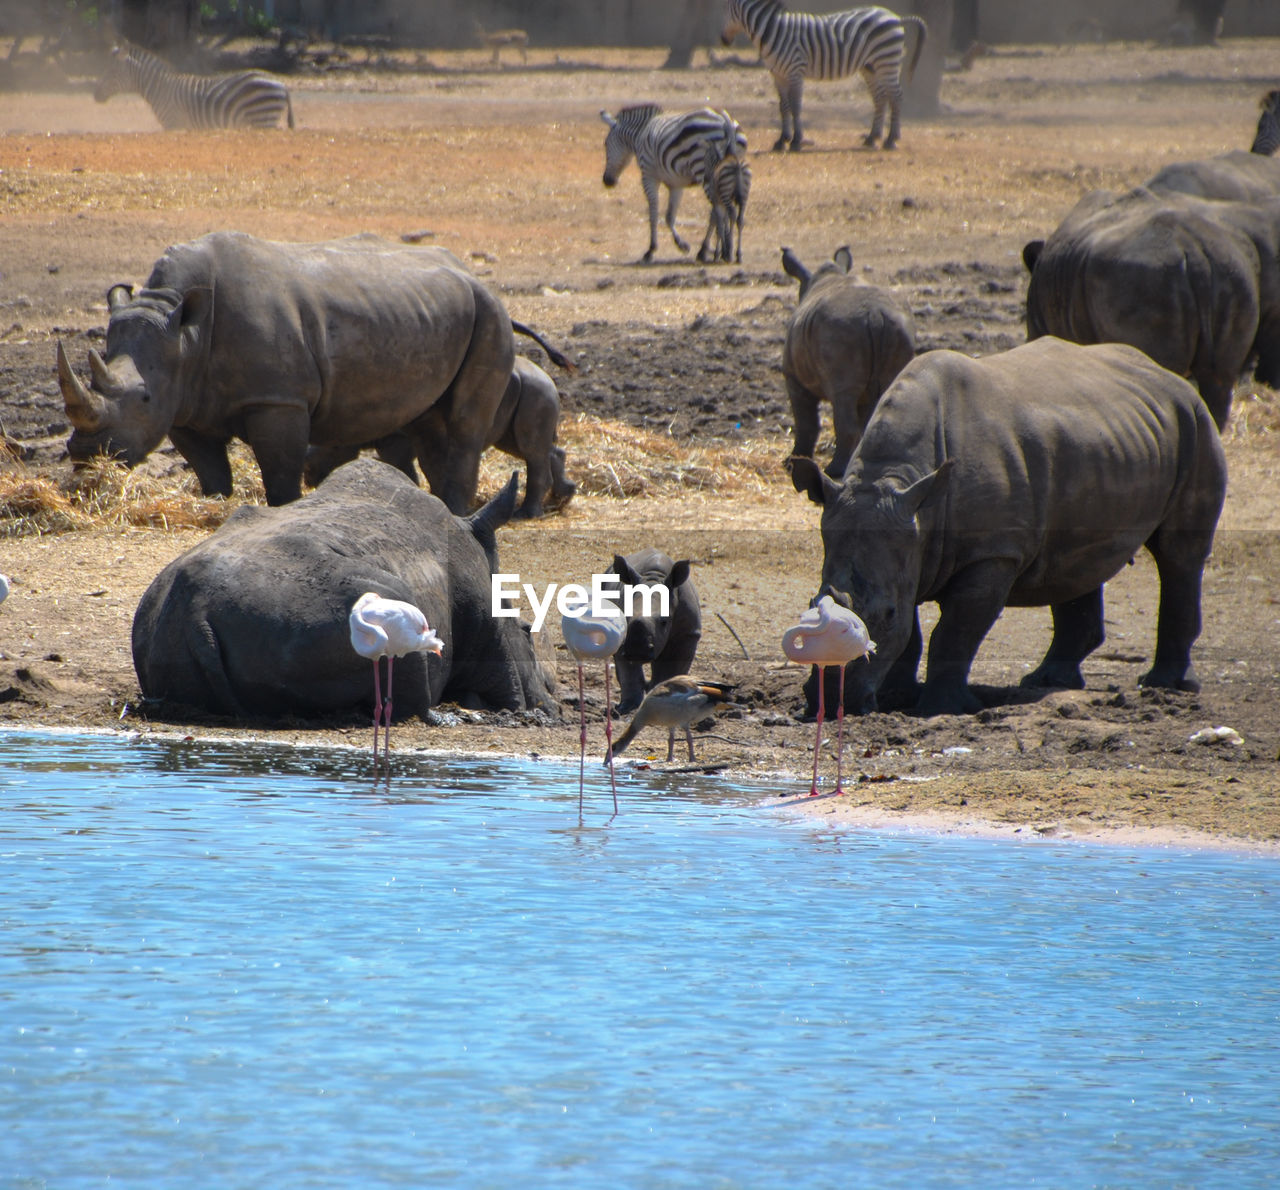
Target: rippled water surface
x=232 y=966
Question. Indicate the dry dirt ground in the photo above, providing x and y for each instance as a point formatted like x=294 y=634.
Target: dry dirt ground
x=678 y=363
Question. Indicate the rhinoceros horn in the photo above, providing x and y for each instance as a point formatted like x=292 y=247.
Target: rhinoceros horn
x=101 y=373
x=86 y=410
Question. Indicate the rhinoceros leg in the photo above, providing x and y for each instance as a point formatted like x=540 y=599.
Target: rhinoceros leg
x=278 y=436
x=208 y=459
x=848 y=426
x=630 y=684
x=1179 y=621
x=804 y=412
x=1077 y=631
x=971 y=604
x=901 y=687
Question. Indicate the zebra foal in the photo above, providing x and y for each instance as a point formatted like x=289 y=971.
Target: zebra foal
x=246 y=99
x=671 y=151
x=726 y=178
x=1267 y=139
x=798 y=45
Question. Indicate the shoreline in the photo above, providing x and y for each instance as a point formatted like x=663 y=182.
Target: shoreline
x=823 y=809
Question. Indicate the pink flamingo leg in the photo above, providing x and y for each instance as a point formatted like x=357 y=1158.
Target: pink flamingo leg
x=840 y=737
x=608 y=731
x=377 y=706
x=582 y=737
x=817 y=743
x=386 y=751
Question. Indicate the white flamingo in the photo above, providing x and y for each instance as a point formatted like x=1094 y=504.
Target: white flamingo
x=677 y=702
x=594 y=638
x=388 y=628
x=828 y=634
x=4 y=587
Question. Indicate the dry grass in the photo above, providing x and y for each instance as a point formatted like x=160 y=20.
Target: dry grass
x=1255 y=414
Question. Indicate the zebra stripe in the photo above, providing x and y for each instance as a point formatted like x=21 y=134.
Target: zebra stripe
x=670 y=151
x=726 y=178
x=798 y=45
x=248 y=99
x=1267 y=139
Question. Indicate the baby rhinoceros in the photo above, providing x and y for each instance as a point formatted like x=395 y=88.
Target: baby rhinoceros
x=846 y=343
x=667 y=643
x=1024 y=479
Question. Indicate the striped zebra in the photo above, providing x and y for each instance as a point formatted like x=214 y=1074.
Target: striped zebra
x=670 y=151
x=726 y=178
x=795 y=45
x=247 y=99
x=1267 y=139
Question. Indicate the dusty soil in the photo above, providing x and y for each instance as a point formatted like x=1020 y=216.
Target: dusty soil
x=503 y=167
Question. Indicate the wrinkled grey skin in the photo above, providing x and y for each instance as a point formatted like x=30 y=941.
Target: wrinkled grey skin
x=253 y=621
x=667 y=644
x=1024 y=479
x=282 y=345
x=1194 y=283
x=1236 y=177
x=525 y=426
x=846 y=343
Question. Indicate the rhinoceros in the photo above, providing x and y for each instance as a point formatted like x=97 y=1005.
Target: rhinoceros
x=1235 y=177
x=282 y=345
x=845 y=344
x=253 y=621
x=524 y=426
x=667 y=644
x=1023 y=479
x=1195 y=283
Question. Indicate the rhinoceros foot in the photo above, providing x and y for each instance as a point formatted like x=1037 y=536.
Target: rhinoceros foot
x=1054 y=677
x=947 y=699
x=1170 y=678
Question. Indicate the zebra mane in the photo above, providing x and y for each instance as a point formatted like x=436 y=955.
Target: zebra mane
x=649 y=110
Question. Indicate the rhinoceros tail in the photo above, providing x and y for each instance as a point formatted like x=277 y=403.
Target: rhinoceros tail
x=556 y=357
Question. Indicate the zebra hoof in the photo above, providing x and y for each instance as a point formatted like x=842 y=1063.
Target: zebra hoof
x=780 y=144
x=890 y=144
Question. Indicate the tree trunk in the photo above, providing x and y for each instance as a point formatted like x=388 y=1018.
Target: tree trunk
x=922 y=93
x=695 y=29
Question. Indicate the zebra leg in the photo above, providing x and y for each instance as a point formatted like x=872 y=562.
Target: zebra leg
x=895 y=116
x=796 y=90
x=705 y=255
x=879 y=100
x=673 y=205
x=783 y=87
x=651 y=197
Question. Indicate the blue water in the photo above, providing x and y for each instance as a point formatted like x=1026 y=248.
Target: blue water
x=231 y=966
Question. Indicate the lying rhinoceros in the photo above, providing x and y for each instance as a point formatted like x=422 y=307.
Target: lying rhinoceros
x=1236 y=177
x=283 y=345
x=1022 y=479
x=667 y=644
x=1195 y=283
x=253 y=621
x=525 y=426
x=845 y=344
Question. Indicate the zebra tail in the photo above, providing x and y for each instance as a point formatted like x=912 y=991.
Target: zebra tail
x=556 y=357
x=921 y=32
x=288 y=107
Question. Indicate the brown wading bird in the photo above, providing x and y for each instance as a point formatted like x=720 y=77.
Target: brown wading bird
x=677 y=702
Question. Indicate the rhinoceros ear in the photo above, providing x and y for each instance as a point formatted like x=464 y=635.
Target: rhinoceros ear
x=118 y=295
x=809 y=478
x=793 y=268
x=1031 y=253
x=844 y=258
x=679 y=574
x=622 y=568
x=924 y=491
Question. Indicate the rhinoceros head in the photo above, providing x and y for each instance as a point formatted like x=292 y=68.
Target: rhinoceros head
x=155 y=343
x=872 y=553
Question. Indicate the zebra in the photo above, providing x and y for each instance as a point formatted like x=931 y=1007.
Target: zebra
x=726 y=178
x=866 y=41
x=248 y=99
x=670 y=150
x=1267 y=139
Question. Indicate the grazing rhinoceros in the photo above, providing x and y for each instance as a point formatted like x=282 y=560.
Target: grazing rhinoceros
x=1235 y=177
x=253 y=621
x=524 y=427
x=1022 y=479
x=668 y=643
x=846 y=343
x=1195 y=283
x=283 y=345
